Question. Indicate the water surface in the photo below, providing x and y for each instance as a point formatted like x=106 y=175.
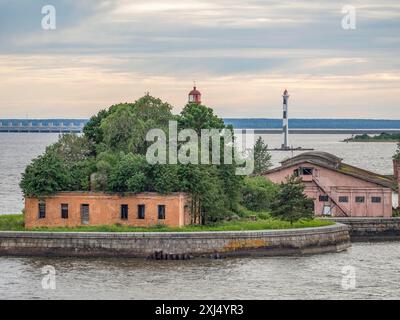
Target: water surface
x=311 y=277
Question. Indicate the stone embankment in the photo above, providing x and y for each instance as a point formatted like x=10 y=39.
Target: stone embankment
x=177 y=244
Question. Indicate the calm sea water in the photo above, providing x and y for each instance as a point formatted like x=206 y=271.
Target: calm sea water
x=375 y=269
x=315 y=277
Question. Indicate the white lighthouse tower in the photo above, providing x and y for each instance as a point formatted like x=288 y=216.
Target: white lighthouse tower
x=285 y=128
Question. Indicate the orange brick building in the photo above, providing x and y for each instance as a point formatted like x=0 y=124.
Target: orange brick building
x=72 y=209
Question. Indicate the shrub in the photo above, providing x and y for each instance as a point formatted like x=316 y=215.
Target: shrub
x=291 y=204
x=263 y=215
x=258 y=193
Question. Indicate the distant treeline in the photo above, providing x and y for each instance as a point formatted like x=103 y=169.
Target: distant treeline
x=385 y=137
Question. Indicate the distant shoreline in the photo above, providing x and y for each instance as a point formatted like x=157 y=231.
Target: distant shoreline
x=382 y=137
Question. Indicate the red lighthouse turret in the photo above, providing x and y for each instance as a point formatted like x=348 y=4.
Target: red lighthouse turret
x=195 y=96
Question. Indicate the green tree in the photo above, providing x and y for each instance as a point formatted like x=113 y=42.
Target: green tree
x=92 y=129
x=164 y=179
x=231 y=186
x=75 y=152
x=125 y=128
x=291 y=204
x=197 y=117
x=214 y=189
x=79 y=173
x=122 y=130
x=258 y=193
x=46 y=175
x=262 y=158
x=206 y=191
x=71 y=148
x=129 y=174
x=105 y=162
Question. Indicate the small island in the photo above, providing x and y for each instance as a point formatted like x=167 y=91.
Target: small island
x=382 y=137
x=101 y=194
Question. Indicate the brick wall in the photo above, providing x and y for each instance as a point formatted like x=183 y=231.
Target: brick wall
x=105 y=209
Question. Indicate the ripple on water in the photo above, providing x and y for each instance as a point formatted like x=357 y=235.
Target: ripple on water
x=309 y=277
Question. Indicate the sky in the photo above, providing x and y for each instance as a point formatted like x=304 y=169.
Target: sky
x=241 y=53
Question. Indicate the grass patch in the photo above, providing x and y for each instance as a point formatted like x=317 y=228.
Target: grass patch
x=16 y=223
x=12 y=222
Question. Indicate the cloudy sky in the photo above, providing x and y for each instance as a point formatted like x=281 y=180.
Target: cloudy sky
x=242 y=54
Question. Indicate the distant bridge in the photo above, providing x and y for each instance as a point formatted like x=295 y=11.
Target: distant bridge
x=260 y=126
x=43 y=125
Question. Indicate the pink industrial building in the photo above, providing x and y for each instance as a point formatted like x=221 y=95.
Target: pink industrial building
x=338 y=189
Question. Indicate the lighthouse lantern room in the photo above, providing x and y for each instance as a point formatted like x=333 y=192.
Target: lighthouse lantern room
x=195 y=96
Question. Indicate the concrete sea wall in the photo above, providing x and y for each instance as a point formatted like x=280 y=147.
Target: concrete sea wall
x=372 y=229
x=201 y=244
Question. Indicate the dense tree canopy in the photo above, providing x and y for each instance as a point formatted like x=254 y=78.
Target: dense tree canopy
x=110 y=157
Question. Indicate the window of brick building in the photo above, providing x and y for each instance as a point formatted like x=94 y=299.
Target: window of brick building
x=360 y=199
x=161 y=212
x=376 y=199
x=124 y=211
x=42 y=210
x=343 y=199
x=64 y=211
x=306 y=171
x=141 y=211
x=323 y=198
